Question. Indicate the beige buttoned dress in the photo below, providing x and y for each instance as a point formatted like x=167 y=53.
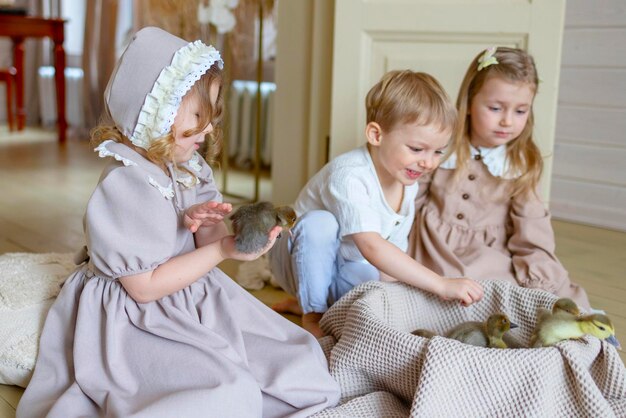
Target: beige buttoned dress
x=473 y=228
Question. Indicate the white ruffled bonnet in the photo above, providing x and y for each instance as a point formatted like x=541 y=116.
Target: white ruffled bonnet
x=150 y=80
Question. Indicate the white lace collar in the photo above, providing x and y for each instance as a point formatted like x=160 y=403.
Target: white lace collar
x=156 y=177
x=494 y=159
x=194 y=163
x=103 y=152
x=129 y=157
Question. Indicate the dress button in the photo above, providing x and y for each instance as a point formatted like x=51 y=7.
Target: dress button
x=471 y=177
x=465 y=196
x=397 y=223
x=477 y=157
x=460 y=216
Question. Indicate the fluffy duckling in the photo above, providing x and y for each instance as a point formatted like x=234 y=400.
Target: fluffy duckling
x=563 y=306
x=557 y=328
x=253 y=222
x=483 y=334
x=424 y=333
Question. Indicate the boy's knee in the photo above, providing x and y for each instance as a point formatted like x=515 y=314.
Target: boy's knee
x=319 y=226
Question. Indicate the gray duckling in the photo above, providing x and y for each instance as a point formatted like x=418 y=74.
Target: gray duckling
x=483 y=334
x=253 y=222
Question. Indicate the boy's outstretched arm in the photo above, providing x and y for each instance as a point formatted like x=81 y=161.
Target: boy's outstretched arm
x=394 y=262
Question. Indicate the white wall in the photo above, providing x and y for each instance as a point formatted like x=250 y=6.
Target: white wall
x=303 y=82
x=589 y=170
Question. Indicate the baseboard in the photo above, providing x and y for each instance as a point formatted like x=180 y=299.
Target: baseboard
x=610 y=218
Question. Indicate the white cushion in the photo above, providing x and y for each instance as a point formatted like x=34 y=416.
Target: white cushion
x=28 y=285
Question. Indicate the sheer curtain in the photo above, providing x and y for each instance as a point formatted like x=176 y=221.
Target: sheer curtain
x=37 y=53
x=92 y=46
x=34 y=56
x=177 y=17
x=99 y=55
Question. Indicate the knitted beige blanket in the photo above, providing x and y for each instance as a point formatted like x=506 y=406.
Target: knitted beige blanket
x=384 y=371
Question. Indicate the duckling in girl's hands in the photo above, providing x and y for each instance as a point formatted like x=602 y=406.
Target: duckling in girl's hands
x=483 y=334
x=559 y=327
x=253 y=222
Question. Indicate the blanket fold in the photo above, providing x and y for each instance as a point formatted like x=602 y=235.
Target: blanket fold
x=379 y=364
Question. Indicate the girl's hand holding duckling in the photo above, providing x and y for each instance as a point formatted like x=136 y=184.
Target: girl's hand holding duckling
x=228 y=246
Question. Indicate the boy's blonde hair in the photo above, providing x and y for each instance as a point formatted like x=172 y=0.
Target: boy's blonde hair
x=161 y=149
x=516 y=66
x=402 y=97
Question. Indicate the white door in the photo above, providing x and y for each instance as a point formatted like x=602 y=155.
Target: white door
x=440 y=38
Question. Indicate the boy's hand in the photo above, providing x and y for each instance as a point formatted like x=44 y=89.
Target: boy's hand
x=205 y=214
x=465 y=290
x=228 y=249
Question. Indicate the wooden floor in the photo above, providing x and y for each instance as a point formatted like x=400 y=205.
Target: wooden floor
x=45 y=188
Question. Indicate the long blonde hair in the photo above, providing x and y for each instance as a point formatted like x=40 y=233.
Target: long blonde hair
x=409 y=97
x=516 y=66
x=161 y=149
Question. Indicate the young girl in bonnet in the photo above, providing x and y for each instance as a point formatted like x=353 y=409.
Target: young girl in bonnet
x=148 y=326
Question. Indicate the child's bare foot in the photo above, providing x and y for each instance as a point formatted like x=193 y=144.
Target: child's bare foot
x=289 y=305
x=311 y=323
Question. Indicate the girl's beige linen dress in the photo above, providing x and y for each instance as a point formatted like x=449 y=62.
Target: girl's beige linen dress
x=208 y=350
x=473 y=228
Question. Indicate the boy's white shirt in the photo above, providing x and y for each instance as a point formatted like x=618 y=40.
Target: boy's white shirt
x=494 y=159
x=349 y=188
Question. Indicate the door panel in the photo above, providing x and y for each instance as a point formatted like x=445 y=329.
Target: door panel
x=441 y=38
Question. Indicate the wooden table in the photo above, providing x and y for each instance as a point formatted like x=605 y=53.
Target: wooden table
x=20 y=27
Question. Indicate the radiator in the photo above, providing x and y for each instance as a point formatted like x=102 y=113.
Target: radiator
x=73 y=96
x=242 y=107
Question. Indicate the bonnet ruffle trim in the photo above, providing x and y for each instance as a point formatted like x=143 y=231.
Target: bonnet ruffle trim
x=161 y=105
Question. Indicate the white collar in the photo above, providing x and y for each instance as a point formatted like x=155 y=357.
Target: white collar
x=494 y=159
x=156 y=177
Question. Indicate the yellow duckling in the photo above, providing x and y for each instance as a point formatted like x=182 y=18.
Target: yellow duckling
x=563 y=306
x=556 y=328
x=483 y=334
x=567 y=306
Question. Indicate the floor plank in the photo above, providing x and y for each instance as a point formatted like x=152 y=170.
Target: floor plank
x=6 y=410
x=11 y=394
